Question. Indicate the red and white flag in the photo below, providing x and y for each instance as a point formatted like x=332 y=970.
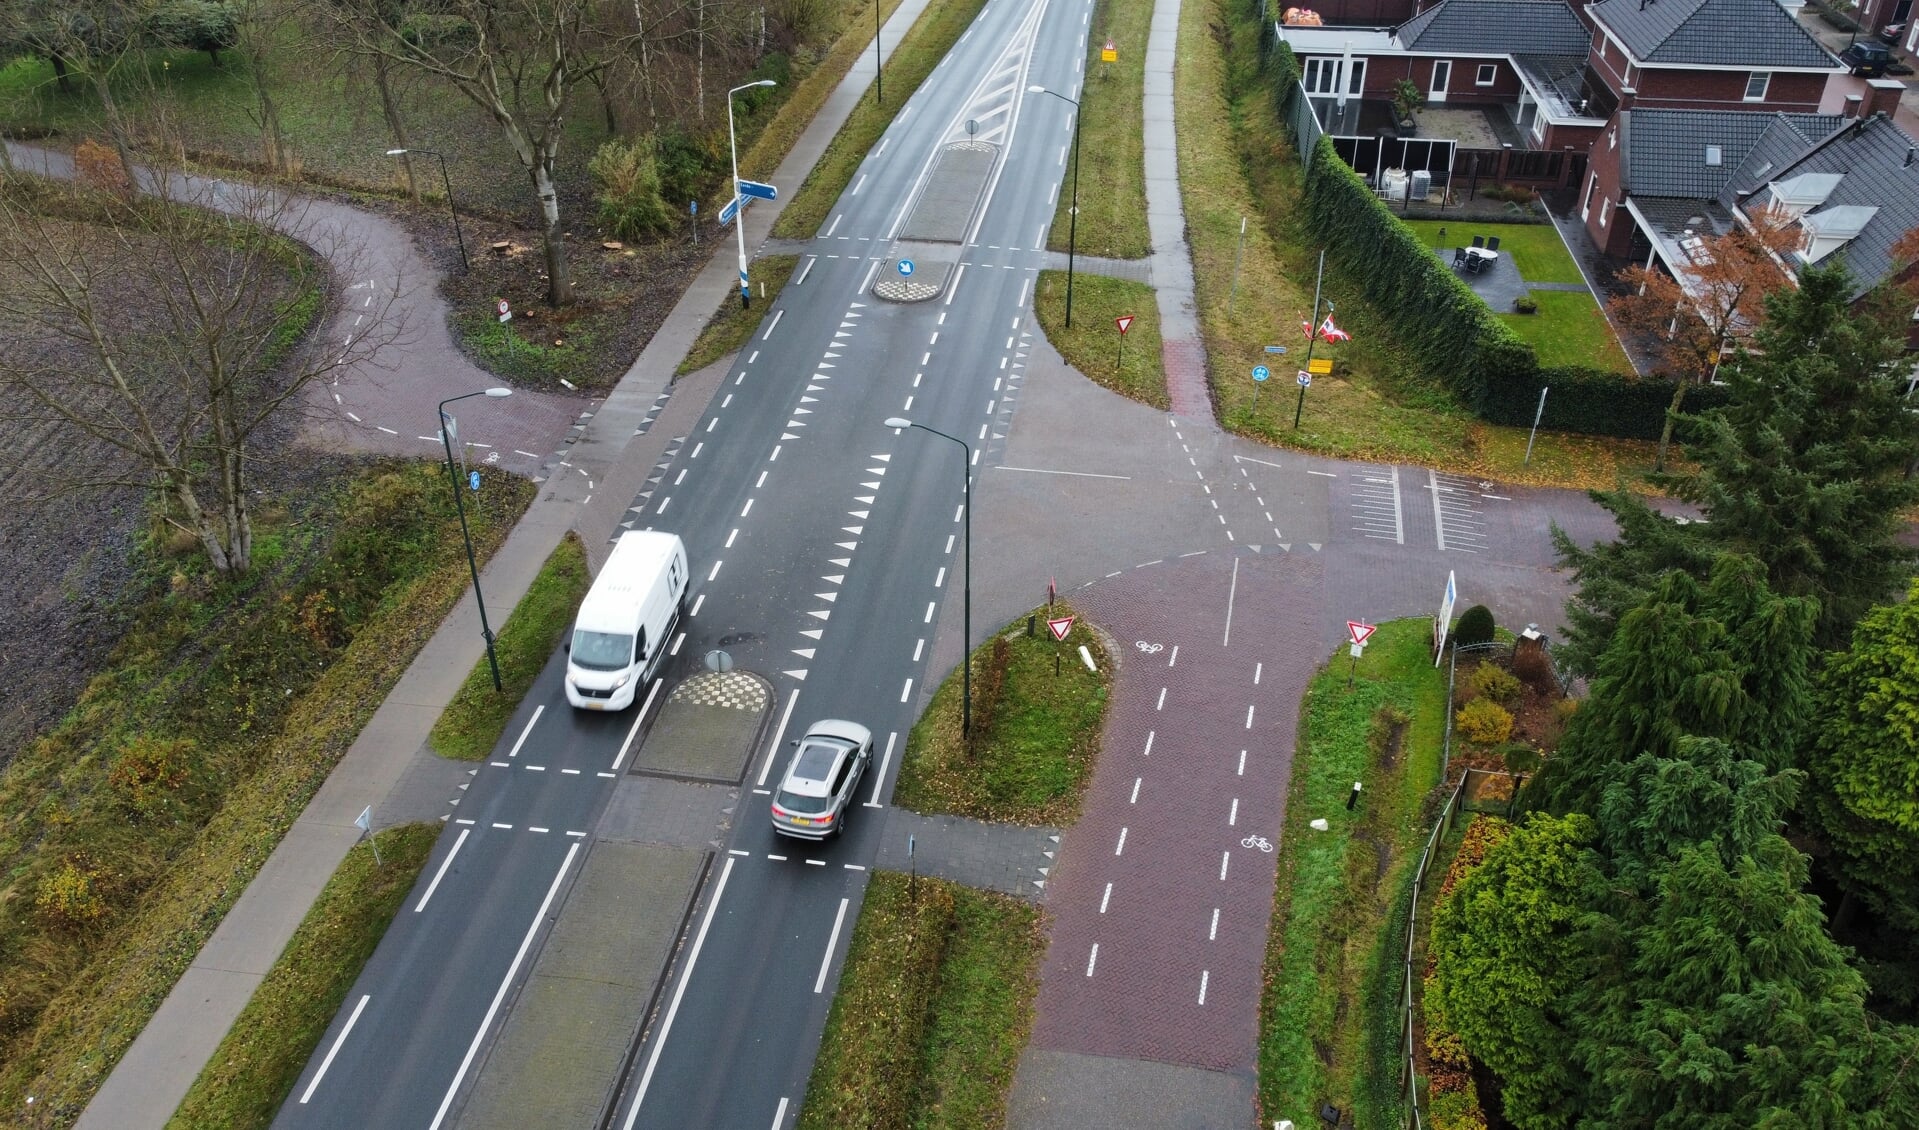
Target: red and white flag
x=1331 y=332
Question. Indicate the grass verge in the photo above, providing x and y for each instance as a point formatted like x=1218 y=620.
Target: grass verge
x=1342 y=892
x=731 y=325
x=1035 y=733
x=261 y=1058
x=783 y=130
x=128 y=830
x=931 y=37
x=471 y=724
x=1372 y=406
x=932 y=1011
x=1112 y=140
x=1092 y=345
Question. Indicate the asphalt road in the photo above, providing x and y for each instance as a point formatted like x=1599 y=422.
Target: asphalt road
x=824 y=549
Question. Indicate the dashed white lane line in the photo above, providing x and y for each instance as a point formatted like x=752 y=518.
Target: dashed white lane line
x=1203 y=975
x=1161 y=705
x=1105 y=898
x=506 y=983
x=1212 y=934
x=1225 y=857
x=1120 y=848
x=826 y=963
x=1249 y=715
x=537 y=711
x=434 y=885
x=1232 y=818
x=715 y=572
x=1148 y=752
x=1092 y=959
x=679 y=991
x=697 y=601
x=1258 y=670
x=906 y=690
x=1134 y=799
x=1242 y=763
x=504 y=827
x=335 y=1049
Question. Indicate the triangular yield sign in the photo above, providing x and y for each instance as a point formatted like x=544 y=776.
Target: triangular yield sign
x=1059 y=627
x=1359 y=632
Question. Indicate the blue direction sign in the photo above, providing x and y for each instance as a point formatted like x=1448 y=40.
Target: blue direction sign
x=906 y=266
x=1261 y=372
x=473 y=479
x=755 y=188
x=731 y=210
x=1275 y=349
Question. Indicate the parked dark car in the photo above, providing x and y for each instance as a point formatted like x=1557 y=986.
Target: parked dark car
x=1891 y=33
x=1866 y=58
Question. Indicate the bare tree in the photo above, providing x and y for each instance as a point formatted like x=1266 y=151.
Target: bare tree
x=518 y=60
x=163 y=326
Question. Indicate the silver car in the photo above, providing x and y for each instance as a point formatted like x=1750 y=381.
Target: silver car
x=819 y=784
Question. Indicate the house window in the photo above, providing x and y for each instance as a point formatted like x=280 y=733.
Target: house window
x=1715 y=155
x=1488 y=73
x=1586 y=205
x=1605 y=211
x=1756 y=84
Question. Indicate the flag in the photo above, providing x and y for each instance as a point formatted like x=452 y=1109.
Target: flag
x=1331 y=332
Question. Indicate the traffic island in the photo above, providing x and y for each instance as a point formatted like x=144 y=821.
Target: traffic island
x=708 y=729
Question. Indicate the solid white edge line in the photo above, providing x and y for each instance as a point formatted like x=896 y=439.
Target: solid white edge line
x=773 y=750
x=537 y=711
x=334 y=1050
x=440 y=874
x=886 y=759
x=807 y=270
x=679 y=991
x=506 y=983
x=634 y=730
x=826 y=963
x=774 y=324
x=779 y=1116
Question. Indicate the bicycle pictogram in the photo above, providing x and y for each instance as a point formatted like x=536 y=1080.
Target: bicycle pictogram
x=1260 y=842
x=1149 y=648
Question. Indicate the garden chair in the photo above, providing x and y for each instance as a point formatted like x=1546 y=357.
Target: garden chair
x=1492 y=244
x=1479 y=241
x=1459 y=257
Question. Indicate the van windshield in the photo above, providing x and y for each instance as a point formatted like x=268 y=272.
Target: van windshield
x=602 y=651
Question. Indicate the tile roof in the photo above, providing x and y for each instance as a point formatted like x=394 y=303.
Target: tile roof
x=1871 y=156
x=1782 y=143
x=1740 y=34
x=1496 y=27
x=1667 y=150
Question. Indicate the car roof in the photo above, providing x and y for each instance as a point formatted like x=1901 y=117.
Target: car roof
x=811 y=773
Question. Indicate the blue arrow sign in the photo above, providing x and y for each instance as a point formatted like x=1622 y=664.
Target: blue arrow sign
x=693 y=206
x=1261 y=372
x=755 y=188
x=473 y=479
x=731 y=210
x=906 y=266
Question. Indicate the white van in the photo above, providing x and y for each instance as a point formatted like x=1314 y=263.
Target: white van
x=626 y=621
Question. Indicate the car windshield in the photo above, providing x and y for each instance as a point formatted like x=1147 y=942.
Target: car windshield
x=800 y=803
x=602 y=651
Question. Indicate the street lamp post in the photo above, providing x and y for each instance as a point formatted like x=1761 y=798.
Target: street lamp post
x=879 y=65
x=1072 y=222
x=966 y=608
x=459 y=504
x=739 y=204
x=448 y=182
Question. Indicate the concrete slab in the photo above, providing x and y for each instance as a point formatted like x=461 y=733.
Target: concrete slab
x=946 y=204
x=560 y=1053
x=1065 y=1091
x=655 y=810
x=995 y=857
x=708 y=729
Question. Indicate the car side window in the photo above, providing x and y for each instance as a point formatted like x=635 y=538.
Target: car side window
x=839 y=778
x=640 y=644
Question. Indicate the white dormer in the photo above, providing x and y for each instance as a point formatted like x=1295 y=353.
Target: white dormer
x=1801 y=194
x=1828 y=231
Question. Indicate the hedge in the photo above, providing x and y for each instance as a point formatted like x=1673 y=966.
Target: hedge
x=1452 y=336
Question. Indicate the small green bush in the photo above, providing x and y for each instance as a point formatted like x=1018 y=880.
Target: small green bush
x=628 y=176
x=1490 y=680
x=1520 y=757
x=1484 y=722
x=1475 y=626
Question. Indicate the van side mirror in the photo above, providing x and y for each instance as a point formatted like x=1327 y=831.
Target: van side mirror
x=567 y=647
x=793 y=741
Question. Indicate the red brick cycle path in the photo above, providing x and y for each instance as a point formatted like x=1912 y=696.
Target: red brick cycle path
x=1156 y=874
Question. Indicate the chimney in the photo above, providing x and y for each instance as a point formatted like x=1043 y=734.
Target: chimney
x=1627 y=96
x=1882 y=95
x=1854 y=103
x=1909 y=153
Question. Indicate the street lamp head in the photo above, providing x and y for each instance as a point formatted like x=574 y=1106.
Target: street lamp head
x=499 y=392
x=766 y=82
x=1036 y=88
x=396 y=152
x=898 y=422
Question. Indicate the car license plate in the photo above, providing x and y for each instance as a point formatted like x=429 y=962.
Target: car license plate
x=592 y=705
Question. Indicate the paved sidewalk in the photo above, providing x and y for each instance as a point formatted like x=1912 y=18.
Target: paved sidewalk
x=1181 y=348
x=160 y=1066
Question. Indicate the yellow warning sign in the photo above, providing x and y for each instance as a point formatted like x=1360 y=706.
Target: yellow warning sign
x=1320 y=365
x=1107 y=54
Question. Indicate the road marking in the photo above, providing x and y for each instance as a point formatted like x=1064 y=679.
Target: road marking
x=1134 y=799
x=730 y=537
x=681 y=477
x=1202 y=986
x=816 y=863
x=1103 y=899
x=506 y=983
x=1212 y=935
x=1242 y=763
x=1120 y=848
x=930 y=606
x=1225 y=857
x=826 y=963
x=1232 y=818
x=806 y=270
x=538 y=710
x=679 y=991
x=777 y=315
x=1162 y=698
x=1173 y=660
x=906 y=690
x=507 y=827
x=954 y=289
x=777 y=735
x=1149 y=744
x=716 y=568
x=854 y=866
x=1439 y=518
x=779 y=1116
x=675 y=649
x=1321 y=474
x=919 y=645
x=570 y=772
x=634 y=730
x=861 y=184
x=885 y=760
x=1258 y=669
x=1231 y=593
x=835 y=226
x=334 y=1050
x=1076 y=474
x=1092 y=959
x=1249 y=716
x=577 y=835
x=737 y=851
x=535 y=828
x=463 y=821
x=536 y=768
x=697 y=601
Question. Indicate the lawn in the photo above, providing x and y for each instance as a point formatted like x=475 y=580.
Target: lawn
x=1035 y=733
x=1570 y=329
x=932 y=1011
x=931 y=37
x=732 y=324
x=1112 y=139
x=1092 y=346
x=262 y=1056
x=1535 y=248
x=470 y=726
x=1328 y=1018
